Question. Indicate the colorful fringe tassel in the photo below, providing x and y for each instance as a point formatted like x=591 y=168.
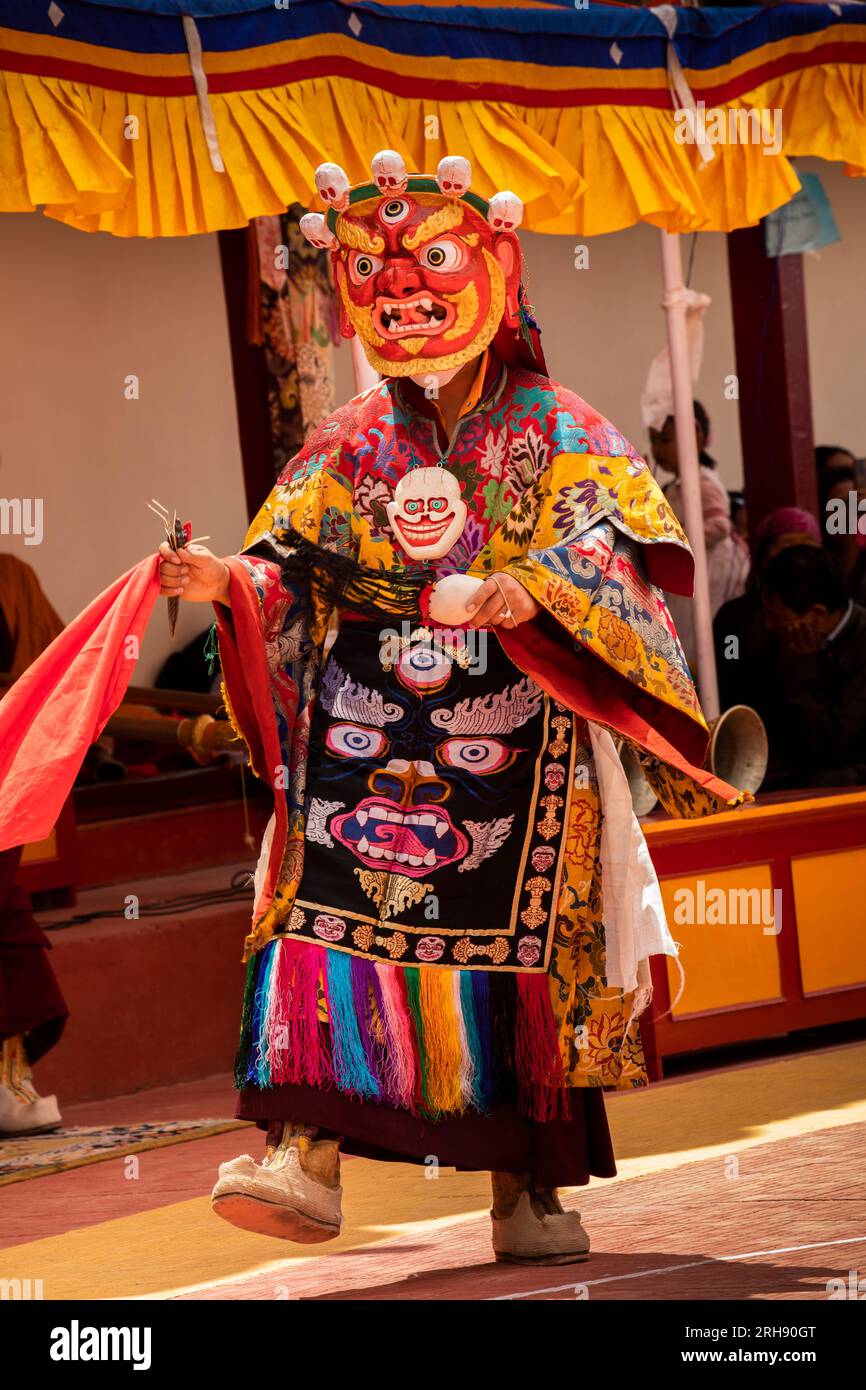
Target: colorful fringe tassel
x=432 y=1041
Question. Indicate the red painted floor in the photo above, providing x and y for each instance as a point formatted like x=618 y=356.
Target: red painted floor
x=777 y=1220
x=670 y=1236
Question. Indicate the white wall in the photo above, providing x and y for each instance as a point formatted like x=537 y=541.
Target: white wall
x=79 y=313
x=836 y=315
x=602 y=326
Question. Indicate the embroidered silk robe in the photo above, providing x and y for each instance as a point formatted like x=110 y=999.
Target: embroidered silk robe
x=428 y=930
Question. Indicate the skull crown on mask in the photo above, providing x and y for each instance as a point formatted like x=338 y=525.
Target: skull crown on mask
x=425 y=279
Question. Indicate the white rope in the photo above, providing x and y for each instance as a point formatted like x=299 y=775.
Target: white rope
x=199 y=77
x=680 y=89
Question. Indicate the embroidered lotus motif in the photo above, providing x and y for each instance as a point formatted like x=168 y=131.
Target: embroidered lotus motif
x=603 y=1035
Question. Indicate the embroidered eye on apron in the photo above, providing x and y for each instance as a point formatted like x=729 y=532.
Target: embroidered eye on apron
x=437 y=800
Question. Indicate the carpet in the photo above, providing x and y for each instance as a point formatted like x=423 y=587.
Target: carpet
x=37 y=1155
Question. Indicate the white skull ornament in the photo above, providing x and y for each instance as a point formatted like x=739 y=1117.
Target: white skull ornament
x=316 y=230
x=332 y=186
x=505 y=211
x=453 y=175
x=389 y=171
x=427 y=514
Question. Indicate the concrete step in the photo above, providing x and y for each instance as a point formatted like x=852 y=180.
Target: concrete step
x=154 y=1000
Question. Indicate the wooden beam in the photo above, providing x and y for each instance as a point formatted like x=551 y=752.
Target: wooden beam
x=772 y=357
x=249 y=372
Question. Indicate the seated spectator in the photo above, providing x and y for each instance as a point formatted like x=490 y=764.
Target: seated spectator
x=727 y=555
x=32 y=1009
x=837 y=479
x=27 y=620
x=832 y=458
x=739 y=628
x=807 y=680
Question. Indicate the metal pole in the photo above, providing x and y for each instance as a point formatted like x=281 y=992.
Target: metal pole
x=690 y=477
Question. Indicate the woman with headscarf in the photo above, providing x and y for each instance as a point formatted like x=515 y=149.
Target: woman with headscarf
x=739 y=628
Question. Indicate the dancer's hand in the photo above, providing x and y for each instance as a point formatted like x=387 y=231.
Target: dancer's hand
x=193 y=573
x=500 y=593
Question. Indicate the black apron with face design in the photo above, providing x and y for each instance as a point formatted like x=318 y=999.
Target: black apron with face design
x=436 y=803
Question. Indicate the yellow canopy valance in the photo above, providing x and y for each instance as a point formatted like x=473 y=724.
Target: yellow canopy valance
x=119 y=139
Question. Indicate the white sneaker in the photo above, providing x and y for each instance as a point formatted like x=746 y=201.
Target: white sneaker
x=21 y=1115
x=552 y=1239
x=277 y=1198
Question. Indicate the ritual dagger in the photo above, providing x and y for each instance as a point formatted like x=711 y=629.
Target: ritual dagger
x=178 y=534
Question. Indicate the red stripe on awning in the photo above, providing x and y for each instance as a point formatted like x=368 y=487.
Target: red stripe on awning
x=38 y=65
x=282 y=74
x=831 y=52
